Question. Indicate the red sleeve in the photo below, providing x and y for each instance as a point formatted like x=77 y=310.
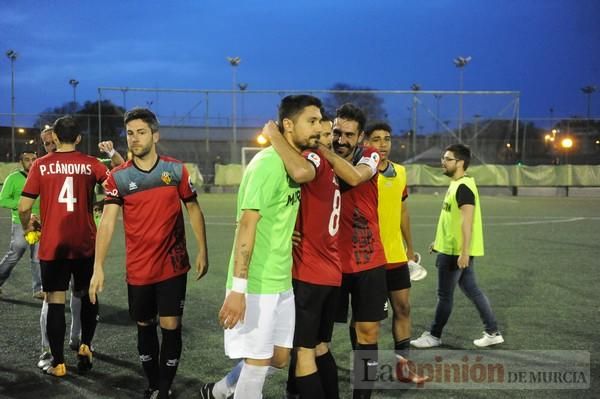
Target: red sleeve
x=112 y=192
x=32 y=184
x=186 y=189
x=101 y=172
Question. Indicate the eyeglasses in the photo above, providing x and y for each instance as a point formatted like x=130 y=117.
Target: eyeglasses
x=446 y=159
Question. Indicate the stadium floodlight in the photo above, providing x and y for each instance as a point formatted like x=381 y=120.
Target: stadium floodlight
x=461 y=63
x=261 y=139
x=234 y=62
x=12 y=56
x=588 y=91
x=566 y=143
x=74 y=83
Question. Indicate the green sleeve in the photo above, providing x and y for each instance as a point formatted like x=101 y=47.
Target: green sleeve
x=8 y=197
x=259 y=188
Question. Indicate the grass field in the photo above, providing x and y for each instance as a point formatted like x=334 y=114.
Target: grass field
x=540 y=273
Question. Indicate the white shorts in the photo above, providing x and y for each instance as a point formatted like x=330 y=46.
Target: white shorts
x=269 y=322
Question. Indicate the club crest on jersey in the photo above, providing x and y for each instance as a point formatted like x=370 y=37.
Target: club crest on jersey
x=132 y=186
x=166 y=177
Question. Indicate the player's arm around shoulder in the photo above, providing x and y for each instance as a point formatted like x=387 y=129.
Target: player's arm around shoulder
x=353 y=175
x=299 y=169
x=199 y=228
x=234 y=306
x=106 y=227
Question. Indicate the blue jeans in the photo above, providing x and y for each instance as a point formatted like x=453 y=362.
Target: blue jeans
x=449 y=275
x=16 y=250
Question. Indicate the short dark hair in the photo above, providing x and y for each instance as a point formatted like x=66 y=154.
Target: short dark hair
x=22 y=153
x=144 y=114
x=377 y=126
x=461 y=152
x=66 y=129
x=292 y=105
x=351 y=112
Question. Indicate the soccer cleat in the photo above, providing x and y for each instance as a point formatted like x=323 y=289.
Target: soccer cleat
x=426 y=340
x=489 y=339
x=405 y=374
x=60 y=370
x=206 y=391
x=84 y=359
x=150 y=393
x=45 y=360
x=39 y=295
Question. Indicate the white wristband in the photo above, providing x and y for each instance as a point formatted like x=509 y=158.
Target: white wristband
x=111 y=153
x=239 y=285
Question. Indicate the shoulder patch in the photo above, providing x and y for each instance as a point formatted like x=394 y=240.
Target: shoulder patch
x=314 y=158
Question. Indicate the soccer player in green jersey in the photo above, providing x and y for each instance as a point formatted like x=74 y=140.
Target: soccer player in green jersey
x=258 y=312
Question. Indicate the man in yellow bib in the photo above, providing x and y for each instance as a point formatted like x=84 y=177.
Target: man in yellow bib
x=458 y=239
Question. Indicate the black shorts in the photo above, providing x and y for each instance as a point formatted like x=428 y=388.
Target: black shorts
x=315 y=313
x=56 y=274
x=368 y=293
x=165 y=298
x=398 y=278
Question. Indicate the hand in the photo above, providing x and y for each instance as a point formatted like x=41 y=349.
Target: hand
x=233 y=310
x=201 y=266
x=106 y=146
x=270 y=129
x=463 y=261
x=410 y=254
x=34 y=221
x=96 y=284
x=296 y=238
x=431 y=247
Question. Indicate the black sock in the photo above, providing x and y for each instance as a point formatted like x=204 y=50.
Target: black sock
x=55 y=328
x=309 y=387
x=291 y=381
x=402 y=348
x=352 y=333
x=89 y=319
x=329 y=375
x=365 y=370
x=148 y=350
x=170 y=352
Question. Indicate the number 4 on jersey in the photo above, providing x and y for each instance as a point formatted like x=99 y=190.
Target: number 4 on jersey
x=66 y=194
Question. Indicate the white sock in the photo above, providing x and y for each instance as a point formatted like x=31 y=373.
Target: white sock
x=43 y=332
x=250 y=384
x=225 y=387
x=75 y=319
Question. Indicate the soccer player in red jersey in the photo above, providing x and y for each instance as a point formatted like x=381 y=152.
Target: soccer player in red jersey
x=359 y=245
x=65 y=180
x=150 y=189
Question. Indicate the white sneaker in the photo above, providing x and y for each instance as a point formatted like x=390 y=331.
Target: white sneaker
x=489 y=339
x=426 y=340
x=45 y=360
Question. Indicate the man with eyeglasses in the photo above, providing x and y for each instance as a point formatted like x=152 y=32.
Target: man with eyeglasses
x=458 y=239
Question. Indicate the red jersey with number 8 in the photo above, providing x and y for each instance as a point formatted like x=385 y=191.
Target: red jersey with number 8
x=65 y=183
x=316 y=258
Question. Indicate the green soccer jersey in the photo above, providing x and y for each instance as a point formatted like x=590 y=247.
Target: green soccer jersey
x=11 y=193
x=267 y=188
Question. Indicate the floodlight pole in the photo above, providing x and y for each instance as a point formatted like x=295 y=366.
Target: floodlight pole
x=460 y=63
x=12 y=56
x=74 y=83
x=415 y=87
x=234 y=62
x=588 y=91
